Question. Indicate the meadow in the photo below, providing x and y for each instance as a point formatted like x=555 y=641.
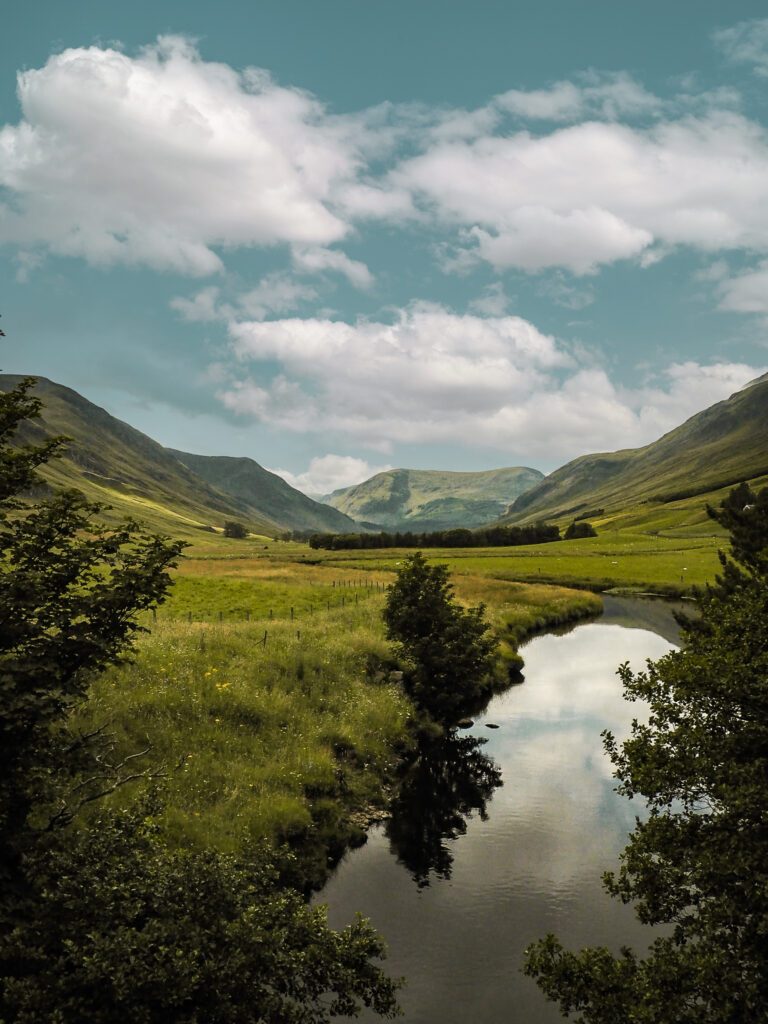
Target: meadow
x=266 y=686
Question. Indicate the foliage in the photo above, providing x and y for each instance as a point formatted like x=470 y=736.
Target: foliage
x=578 y=530
x=698 y=864
x=490 y=536
x=744 y=514
x=126 y=930
x=106 y=923
x=235 y=530
x=70 y=593
x=450 y=648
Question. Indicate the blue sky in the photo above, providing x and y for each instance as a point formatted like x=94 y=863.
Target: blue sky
x=343 y=236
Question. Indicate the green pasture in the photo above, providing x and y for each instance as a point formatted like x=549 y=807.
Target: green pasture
x=298 y=737
x=232 y=599
x=278 y=739
x=637 y=561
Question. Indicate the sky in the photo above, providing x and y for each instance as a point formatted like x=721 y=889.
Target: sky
x=345 y=236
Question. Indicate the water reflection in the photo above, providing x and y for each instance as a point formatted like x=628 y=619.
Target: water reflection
x=450 y=780
x=533 y=851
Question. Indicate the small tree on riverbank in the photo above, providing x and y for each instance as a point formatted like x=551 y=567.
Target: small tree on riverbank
x=698 y=864
x=450 y=649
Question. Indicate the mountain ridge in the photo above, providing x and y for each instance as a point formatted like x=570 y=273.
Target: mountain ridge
x=114 y=463
x=423 y=499
x=717 y=447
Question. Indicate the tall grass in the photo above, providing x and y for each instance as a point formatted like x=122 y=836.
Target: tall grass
x=295 y=737
x=282 y=740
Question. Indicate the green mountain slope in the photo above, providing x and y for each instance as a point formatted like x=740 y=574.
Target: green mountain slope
x=422 y=499
x=112 y=462
x=247 y=481
x=715 y=448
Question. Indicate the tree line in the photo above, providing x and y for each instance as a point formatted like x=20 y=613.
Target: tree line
x=459 y=537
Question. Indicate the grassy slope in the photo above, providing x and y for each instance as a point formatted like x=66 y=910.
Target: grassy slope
x=111 y=461
x=432 y=499
x=715 y=449
x=249 y=482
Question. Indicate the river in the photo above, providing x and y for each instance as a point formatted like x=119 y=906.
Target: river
x=502 y=834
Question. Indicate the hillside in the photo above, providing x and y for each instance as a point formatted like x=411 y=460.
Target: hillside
x=112 y=462
x=421 y=499
x=715 y=448
x=247 y=481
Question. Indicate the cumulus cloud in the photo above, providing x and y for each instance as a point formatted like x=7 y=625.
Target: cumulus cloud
x=167 y=160
x=316 y=259
x=436 y=376
x=589 y=194
x=610 y=96
x=161 y=158
x=275 y=293
x=328 y=473
x=201 y=308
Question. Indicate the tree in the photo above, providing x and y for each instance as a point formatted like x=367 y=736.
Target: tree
x=106 y=922
x=576 y=531
x=70 y=593
x=450 y=649
x=124 y=929
x=234 y=529
x=699 y=863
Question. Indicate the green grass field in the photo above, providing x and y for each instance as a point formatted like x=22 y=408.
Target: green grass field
x=297 y=738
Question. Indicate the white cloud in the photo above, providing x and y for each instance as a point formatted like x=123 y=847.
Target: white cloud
x=167 y=160
x=610 y=96
x=275 y=293
x=590 y=194
x=316 y=259
x=161 y=158
x=493 y=301
x=746 y=292
x=746 y=43
x=435 y=376
x=201 y=308
x=329 y=473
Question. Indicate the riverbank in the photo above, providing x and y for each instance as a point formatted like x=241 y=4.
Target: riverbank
x=298 y=740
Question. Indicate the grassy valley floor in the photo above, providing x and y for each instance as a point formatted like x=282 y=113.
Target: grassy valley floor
x=298 y=737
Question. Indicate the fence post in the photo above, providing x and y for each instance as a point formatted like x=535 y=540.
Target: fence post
x=298 y=634
x=343 y=599
x=291 y=613
x=221 y=616
x=247 y=614
x=265 y=639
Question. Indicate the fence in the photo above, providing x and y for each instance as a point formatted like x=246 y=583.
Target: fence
x=370 y=587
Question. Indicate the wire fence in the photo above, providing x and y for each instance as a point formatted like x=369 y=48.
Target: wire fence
x=345 y=594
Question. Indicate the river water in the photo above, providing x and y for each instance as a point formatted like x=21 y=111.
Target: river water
x=502 y=834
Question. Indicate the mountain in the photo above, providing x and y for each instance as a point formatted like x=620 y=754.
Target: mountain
x=112 y=462
x=716 y=448
x=425 y=499
x=247 y=481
